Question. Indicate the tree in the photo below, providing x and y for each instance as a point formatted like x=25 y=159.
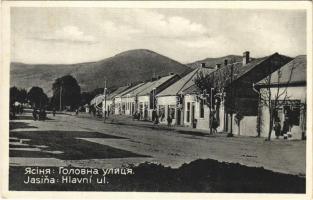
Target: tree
x=86 y=97
x=274 y=99
x=219 y=83
x=14 y=94
x=66 y=92
x=22 y=97
x=37 y=97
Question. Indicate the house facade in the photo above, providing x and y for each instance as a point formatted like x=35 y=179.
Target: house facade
x=196 y=109
x=120 y=102
x=130 y=99
x=171 y=101
x=109 y=102
x=286 y=88
x=238 y=110
x=147 y=97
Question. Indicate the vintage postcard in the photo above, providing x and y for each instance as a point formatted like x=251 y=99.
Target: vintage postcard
x=170 y=100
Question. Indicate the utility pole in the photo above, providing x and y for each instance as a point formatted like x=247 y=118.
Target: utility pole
x=105 y=99
x=211 y=109
x=61 y=96
x=153 y=97
x=231 y=96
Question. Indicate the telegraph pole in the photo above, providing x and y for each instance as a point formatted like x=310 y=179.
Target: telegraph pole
x=231 y=106
x=211 y=109
x=61 y=96
x=105 y=99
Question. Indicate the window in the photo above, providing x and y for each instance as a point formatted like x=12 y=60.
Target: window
x=201 y=107
x=188 y=112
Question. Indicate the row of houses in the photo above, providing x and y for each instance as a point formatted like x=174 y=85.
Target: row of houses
x=244 y=97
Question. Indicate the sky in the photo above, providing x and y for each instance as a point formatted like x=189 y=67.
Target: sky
x=75 y=35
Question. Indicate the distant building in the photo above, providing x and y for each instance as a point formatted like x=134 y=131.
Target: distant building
x=140 y=100
x=121 y=103
x=110 y=103
x=146 y=98
x=287 y=88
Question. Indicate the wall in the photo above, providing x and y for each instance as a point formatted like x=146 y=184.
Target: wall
x=202 y=123
x=145 y=101
x=294 y=93
x=127 y=101
x=166 y=101
x=108 y=103
x=117 y=102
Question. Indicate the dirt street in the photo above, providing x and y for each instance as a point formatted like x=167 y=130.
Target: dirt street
x=85 y=142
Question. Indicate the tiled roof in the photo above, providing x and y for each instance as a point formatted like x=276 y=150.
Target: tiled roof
x=133 y=93
x=155 y=84
x=183 y=83
x=259 y=67
x=118 y=91
x=130 y=90
x=194 y=89
x=292 y=72
x=100 y=97
x=221 y=77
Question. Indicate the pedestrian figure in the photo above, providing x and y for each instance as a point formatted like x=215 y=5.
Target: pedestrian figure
x=156 y=121
x=169 y=121
x=53 y=112
x=44 y=114
x=153 y=115
x=76 y=112
x=277 y=129
x=285 y=128
x=34 y=114
x=162 y=116
x=214 y=125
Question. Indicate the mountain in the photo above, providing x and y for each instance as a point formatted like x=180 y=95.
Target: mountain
x=211 y=62
x=121 y=69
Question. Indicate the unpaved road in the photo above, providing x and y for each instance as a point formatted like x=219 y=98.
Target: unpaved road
x=86 y=142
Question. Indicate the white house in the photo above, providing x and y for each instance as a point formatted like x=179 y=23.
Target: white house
x=130 y=99
x=109 y=101
x=120 y=102
x=287 y=88
x=146 y=97
x=238 y=110
x=170 y=102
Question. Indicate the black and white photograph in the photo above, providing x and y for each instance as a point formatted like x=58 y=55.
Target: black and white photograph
x=159 y=98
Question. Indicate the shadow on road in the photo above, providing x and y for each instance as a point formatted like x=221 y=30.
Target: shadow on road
x=16 y=125
x=70 y=145
x=27 y=117
x=191 y=132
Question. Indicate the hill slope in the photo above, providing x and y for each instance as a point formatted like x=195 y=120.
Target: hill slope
x=211 y=62
x=126 y=67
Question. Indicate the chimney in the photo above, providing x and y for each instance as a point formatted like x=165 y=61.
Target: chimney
x=153 y=79
x=203 y=65
x=225 y=62
x=159 y=77
x=246 y=58
x=171 y=73
x=218 y=66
